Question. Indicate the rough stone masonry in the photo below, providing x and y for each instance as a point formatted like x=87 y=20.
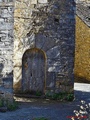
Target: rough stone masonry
x=37 y=42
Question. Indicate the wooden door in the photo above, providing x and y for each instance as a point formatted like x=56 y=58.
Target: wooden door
x=33 y=71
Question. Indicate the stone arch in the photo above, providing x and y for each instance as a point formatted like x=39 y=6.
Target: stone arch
x=33 y=71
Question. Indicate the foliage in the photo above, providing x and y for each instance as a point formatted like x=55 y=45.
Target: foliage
x=10 y=105
x=38 y=93
x=1 y=103
x=60 y=96
x=70 y=97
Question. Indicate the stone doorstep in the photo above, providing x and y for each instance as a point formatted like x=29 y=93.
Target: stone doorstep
x=28 y=96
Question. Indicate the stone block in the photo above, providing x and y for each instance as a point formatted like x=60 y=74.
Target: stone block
x=47 y=27
x=6 y=94
x=54 y=52
x=33 y=1
x=3 y=109
x=1 y=81
x=9 y=96
x=50 y=83
x=8 y=83
x=43 y=1
x=60 y=89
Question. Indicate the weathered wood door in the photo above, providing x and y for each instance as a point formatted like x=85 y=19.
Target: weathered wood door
x=33 y=71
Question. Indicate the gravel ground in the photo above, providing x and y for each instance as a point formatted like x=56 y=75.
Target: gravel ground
x=34 y=108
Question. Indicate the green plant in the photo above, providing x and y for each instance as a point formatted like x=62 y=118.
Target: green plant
x=42 y=118
x=54 y=96
x=1 y=103
x=70 y=97
x=48 y=94
x=60 y=96
x=38 y=93
x=12 y=106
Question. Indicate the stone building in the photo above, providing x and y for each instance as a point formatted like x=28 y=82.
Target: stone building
x=82 y=52
x=37 y=41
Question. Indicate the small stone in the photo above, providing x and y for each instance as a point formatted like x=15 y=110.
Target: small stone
x=3 y=109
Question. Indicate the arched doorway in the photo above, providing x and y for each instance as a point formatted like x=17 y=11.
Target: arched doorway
x=33 y=71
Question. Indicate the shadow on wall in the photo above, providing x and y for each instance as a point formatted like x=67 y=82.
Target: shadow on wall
x=1 y=68
x=80 y=79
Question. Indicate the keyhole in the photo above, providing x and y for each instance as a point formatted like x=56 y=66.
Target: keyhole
x=31 y=74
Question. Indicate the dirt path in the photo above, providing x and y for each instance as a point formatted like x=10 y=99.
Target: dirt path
x=32 y=108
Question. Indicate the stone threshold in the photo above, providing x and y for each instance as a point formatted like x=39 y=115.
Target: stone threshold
x=29 y=96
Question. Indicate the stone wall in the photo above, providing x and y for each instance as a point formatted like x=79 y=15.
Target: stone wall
x=82 y=56
x=48 y=25
x=45 y=25
x=6 y=47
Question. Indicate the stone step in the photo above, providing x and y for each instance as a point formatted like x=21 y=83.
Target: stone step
x=28 y=96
